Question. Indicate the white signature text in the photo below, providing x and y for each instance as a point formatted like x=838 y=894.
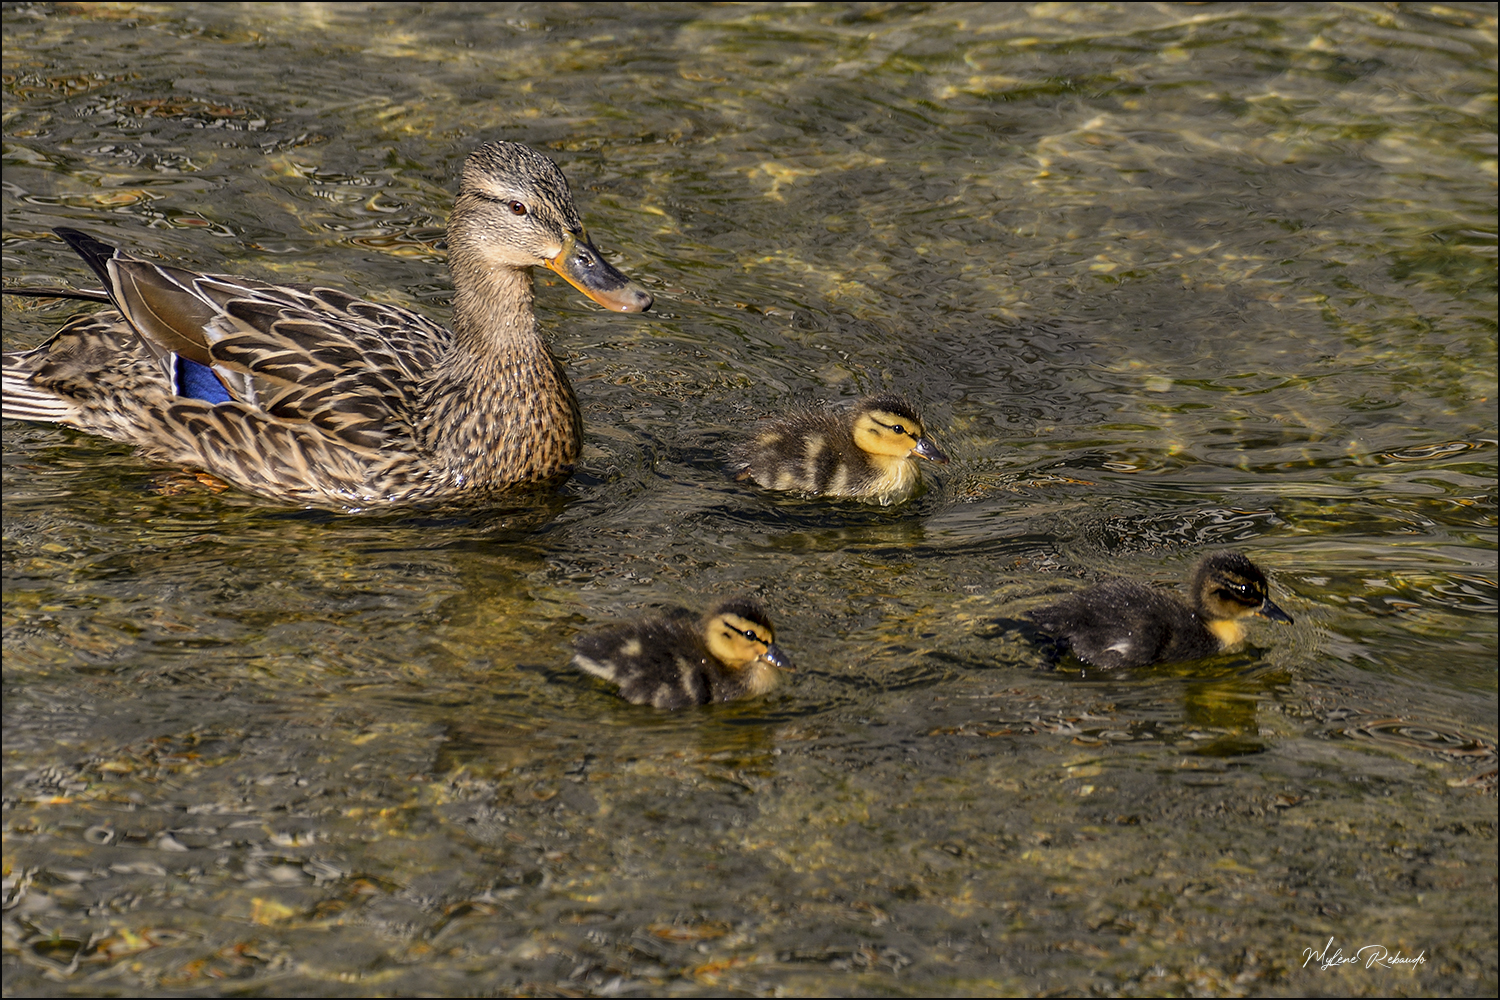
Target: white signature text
x=1371 y=956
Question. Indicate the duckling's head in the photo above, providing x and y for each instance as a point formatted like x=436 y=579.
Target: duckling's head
x=738 y=633
x=514 y=211
x=886 y=425
x=1226 y=586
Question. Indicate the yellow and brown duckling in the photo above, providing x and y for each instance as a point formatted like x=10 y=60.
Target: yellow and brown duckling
x=681 y=658
x=312 y=395
x=1122 y=623
x=869 y=452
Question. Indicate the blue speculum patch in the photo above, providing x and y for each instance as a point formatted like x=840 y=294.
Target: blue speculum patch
x=197 y=381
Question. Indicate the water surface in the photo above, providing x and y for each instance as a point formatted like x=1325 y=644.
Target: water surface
x=1161 y=278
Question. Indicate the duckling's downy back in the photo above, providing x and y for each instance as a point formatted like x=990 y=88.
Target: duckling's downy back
x=868 y=452
x=680 y=658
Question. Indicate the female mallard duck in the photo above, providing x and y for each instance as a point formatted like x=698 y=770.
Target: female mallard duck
x=310 y=394
x=683 y=659
x=1122 y=623
x=869 y=452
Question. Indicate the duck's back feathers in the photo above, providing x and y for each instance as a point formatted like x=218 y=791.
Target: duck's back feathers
x=309 y=394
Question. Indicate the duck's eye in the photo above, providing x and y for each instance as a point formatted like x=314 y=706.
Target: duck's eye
x=516 y=207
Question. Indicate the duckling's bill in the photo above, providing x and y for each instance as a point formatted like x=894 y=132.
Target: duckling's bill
x=584 y=267
x=927 y=449
x=776 y=657
x=1275 y=614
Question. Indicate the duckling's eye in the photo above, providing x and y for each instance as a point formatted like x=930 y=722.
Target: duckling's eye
x=899 y=429
x=751 y=634
x=516 y=207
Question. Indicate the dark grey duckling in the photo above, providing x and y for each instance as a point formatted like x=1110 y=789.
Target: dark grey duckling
x=1122 y=623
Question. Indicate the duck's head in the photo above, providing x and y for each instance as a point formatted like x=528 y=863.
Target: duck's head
x=1226 y=586
x=738 y=633
x=886 y=425
x=514 y=211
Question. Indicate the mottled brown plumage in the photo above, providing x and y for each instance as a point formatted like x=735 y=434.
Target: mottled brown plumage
x=868 y=452
x=1122 y=623
x=680 y=658
x=310 y=394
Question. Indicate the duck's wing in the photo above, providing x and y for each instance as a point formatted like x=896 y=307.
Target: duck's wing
x=294 y=353
x=278 y=387
x=291 y=351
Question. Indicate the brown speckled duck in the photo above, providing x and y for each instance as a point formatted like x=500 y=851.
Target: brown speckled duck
x=1122 y=623
x=309 y=394
x=868 y=452
x=680 y=658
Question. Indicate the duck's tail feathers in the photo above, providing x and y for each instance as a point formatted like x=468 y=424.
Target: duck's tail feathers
x=24 y=401
x=87 y=295
x=96 y=253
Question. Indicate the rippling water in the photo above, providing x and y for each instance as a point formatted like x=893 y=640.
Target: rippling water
x=1161 y=278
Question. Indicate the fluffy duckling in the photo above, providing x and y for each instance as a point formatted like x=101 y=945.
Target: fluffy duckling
x=683 y=659
x=868 y=452
x=1122 y=623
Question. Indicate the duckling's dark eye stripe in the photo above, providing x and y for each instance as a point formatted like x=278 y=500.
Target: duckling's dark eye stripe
x=1240 y=593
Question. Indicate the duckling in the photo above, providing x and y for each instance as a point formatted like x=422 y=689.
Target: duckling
x=1122 y=623
x=682 y=658
x=868 y=452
